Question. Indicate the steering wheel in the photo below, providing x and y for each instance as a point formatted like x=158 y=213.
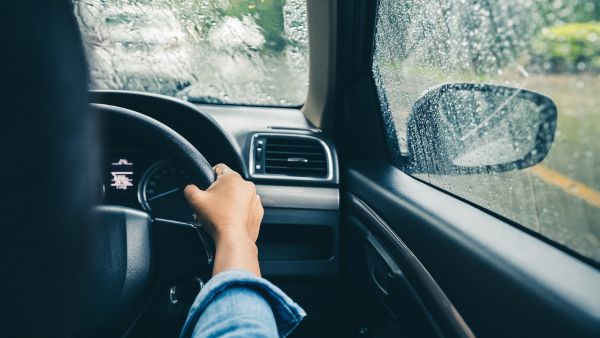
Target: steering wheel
x=134 y=254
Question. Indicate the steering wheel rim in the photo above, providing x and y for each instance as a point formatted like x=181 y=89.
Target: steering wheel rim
x=161 y=137
x=134 y=254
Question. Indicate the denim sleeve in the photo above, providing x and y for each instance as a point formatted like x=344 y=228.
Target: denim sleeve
x=236 y=303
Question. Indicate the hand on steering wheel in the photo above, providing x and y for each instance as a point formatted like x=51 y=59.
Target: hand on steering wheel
x=231 y=212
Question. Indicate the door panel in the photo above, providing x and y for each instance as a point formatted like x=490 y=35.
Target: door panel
x=414 y=304
x=503 y=281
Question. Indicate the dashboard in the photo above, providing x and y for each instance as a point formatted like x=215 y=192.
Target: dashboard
x=293 y=165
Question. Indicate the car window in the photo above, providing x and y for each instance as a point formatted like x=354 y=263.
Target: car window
x=462 y=81
x=233 y=52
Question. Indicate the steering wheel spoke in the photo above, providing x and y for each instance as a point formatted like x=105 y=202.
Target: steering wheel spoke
x=119 y=272
x=183 y=251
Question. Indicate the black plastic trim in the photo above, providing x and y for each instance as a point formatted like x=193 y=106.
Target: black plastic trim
x=305 y=218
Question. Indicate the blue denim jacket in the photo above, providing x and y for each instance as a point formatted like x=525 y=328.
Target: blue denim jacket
x=236 y=303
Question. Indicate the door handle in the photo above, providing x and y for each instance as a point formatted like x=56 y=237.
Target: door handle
x=383 y=271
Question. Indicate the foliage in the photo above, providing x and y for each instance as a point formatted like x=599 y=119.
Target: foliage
x=268 y=15
x=572 y=47
x=554 y=12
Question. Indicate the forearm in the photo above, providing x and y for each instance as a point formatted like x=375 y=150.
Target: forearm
x=236 y=253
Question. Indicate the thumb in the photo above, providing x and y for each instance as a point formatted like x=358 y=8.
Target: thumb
x=221 y=169
x=194 y=196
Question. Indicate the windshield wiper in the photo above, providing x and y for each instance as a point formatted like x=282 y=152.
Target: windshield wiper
x=203 y=99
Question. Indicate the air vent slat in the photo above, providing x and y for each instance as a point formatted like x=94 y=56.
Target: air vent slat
x=276 y=152
x=291 y=146
x=320 y=162
x=279 y=166
x=294 y=168
x=296 y=164
x=297 y=156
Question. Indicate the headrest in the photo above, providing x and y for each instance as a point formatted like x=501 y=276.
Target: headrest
x=48 y=167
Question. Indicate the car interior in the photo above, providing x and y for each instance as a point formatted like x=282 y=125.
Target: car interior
x=366 y=247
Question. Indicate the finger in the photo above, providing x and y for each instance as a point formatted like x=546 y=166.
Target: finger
x=257 y=213
x=193 y=195
x=190 y=190
x=259 y=217
x=221 y=169
x=261 y=210
x=254 y=200
x=251 y=188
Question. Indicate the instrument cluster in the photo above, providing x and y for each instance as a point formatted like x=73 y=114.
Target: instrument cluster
x=146 y=181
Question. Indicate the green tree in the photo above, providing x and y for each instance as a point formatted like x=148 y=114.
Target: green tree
x=556 y=12
x=268 y=15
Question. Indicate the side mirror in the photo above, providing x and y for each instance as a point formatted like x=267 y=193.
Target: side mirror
x=466 y=128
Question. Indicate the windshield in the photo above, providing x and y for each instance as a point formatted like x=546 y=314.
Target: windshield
x=231 y=52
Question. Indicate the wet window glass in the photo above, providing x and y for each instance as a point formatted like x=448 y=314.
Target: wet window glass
x=498 y=103
x=226 y=51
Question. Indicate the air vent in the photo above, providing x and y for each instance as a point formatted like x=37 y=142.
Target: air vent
x=295 y=156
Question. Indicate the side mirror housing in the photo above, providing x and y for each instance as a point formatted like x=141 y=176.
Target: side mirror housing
x=465 y=128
